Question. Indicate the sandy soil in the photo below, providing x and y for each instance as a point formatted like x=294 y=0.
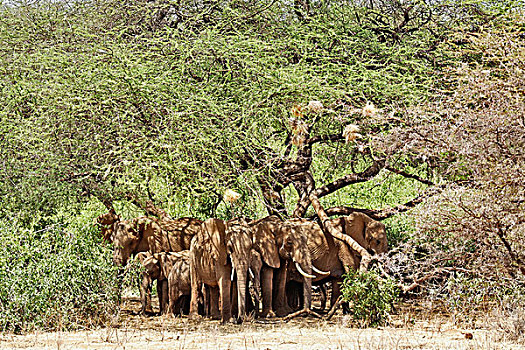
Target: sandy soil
x=132 y=331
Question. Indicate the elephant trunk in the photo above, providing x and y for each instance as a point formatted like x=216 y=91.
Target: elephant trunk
x=242 y=274
x=303 y=263
x=307 y=293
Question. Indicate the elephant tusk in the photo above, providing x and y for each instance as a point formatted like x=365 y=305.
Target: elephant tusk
x=251 y=273
x=298 y=266
x=316 y=270
x=233 y=272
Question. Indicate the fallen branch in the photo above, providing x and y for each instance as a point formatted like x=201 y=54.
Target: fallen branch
x=334 y=308
x=302 y=312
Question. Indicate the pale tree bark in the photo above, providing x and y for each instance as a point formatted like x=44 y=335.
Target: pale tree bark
x=329 y=228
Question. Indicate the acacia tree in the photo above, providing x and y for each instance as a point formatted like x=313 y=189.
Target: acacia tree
x=151 y=106
x=158 y=103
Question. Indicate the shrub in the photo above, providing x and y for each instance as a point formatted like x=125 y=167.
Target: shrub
x=54 y=278
x=372 y=298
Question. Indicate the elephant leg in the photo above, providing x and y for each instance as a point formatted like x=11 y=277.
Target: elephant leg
x=336 y=291
x=173 y=297
x=204 y=302
x=213 y=302
x=280 y=304
x=145 y=295
x=159 y=295
x=195 y=286
x=225 y=296
x=234 y=301
x=267 y=291
x=185 y=305
x=294 y=295
x=162 y=291
x=322 y=289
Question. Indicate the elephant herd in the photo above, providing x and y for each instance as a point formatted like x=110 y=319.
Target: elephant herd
x=213 y=262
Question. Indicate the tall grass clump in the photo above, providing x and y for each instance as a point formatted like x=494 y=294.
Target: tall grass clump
x=54 y=278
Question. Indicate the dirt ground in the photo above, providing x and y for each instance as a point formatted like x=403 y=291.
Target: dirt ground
x=132 y=331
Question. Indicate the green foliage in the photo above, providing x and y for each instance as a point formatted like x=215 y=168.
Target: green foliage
x=399 y=229
x=371 y=297
x=178 y=101
x=60 y=277
x=102 y=101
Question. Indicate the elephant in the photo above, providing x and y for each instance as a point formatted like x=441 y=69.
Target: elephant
x=145 y=234
x=334 y=255
x=281 y=243
x=160 y=266
x=369 y=233
x=179 y=280
x=149 y=234
x=220 y=250
x=254 y=274
x=151 y=273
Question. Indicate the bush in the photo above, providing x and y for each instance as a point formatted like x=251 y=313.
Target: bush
x=372 y=298
x=54 y=278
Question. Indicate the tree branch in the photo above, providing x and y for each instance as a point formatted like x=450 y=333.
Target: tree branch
x=514 y=257
x=349 y=179
x=407 y=175
x=324 y=138
x=382 y=214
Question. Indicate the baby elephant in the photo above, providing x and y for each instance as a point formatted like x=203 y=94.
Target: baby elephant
x=151 y=273
x=179 y=281
x=172 y=272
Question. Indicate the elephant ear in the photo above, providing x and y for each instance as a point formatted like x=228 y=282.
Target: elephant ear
x=266 y=245
x=355 y=225
x=151 y=264
x=214 y=232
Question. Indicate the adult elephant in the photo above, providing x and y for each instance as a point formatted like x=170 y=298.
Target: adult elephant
x=218 y=251
x=148 y=234
x=280 y=244
x=369 y=233
x=333 y=255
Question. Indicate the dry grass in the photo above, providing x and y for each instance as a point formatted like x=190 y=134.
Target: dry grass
x=131 y=331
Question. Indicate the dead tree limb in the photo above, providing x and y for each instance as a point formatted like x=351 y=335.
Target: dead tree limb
x=334 y=307
x=382 y=214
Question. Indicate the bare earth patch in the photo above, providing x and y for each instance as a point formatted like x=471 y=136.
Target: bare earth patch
x=159 y=332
